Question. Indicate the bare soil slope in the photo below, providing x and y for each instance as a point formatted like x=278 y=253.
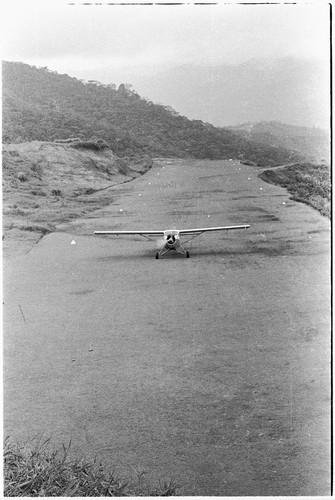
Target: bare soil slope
x=45 y=183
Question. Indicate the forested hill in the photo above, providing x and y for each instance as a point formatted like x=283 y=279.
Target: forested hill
x=39 y=104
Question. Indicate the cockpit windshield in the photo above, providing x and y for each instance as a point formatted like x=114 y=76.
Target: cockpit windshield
x=171 y=232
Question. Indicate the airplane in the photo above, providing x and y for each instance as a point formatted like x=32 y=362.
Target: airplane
x=172 y=237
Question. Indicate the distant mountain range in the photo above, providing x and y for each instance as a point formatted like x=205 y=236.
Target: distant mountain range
x=312 y=143
x=287 y=90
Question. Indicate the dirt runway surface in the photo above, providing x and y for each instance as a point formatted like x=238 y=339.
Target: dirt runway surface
x=213 y=370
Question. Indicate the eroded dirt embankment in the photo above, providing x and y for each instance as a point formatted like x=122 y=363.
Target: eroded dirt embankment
x=45 y=184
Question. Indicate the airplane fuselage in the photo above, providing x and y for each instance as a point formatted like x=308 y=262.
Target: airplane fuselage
x=171 y=237
x=171 y=242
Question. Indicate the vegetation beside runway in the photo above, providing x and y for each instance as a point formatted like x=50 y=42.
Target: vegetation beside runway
x=40 y=471
x=308 y=183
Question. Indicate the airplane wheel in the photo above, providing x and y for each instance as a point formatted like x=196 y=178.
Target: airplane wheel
x=187 y=255
x=157 y=256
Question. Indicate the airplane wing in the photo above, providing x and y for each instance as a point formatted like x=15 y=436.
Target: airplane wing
x=141 y=233
x=204 y=229
x=196 y=231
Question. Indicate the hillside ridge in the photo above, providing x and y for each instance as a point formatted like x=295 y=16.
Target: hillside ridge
x=39 y=104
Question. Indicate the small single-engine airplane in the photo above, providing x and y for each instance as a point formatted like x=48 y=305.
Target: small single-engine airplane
x=172 y=237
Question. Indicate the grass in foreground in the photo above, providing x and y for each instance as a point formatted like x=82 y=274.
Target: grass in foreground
x=39 y=471
x=306 y=182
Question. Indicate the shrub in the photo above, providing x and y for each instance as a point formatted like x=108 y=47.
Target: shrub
x=37 y=170
x=56 y=192
x=103 y=144
x=37 y=228
x=87 y=145
x=22 y=176
x=38 y=192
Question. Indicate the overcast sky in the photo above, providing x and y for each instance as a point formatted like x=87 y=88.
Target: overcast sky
x=109 y=42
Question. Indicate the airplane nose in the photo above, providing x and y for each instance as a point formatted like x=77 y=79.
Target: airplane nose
x=170 y=241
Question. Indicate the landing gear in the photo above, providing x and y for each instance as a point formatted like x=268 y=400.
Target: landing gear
x=178 y=250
